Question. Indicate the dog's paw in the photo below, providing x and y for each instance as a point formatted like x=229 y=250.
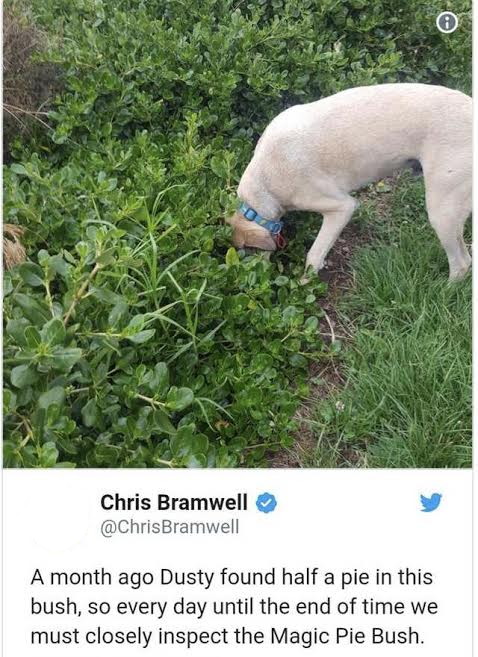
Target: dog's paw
x=309 y=274
x=459 y=275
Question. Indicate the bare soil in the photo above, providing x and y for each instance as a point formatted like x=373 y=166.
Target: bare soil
x=327 y=375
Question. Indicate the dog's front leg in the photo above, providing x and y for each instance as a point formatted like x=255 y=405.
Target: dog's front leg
x=332 y=225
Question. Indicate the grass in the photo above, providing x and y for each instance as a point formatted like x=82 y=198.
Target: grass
x=407 y=397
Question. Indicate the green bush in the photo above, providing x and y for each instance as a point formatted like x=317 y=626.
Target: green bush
x=135 y=336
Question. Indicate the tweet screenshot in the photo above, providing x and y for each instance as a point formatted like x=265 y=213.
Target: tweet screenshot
x=237 y=336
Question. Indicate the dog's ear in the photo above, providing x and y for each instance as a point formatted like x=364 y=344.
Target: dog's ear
x=254 y=236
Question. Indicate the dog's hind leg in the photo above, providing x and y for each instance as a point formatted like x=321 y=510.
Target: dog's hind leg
x=448 y=196
x=334 y=221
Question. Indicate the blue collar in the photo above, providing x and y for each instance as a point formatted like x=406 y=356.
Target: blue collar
x=274 y=227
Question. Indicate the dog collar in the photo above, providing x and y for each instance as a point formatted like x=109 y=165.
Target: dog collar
x=274 y=227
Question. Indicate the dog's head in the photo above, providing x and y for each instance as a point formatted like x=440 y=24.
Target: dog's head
x=249 y=234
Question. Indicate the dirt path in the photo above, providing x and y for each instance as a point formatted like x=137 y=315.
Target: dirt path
x=327 y=375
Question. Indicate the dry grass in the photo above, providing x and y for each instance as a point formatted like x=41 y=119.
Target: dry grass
x=13 y=249
x=28 y=84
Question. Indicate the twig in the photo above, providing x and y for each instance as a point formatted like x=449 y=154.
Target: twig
x=32 y=114
x=332 y=332
x=80 y=293
x=14 y=116
x=24 y=111
x=170 y=464
x=150 y=400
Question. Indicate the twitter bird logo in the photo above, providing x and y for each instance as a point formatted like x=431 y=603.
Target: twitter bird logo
x=430 y=503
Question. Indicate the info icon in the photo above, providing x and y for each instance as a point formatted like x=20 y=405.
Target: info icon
x=447 y=22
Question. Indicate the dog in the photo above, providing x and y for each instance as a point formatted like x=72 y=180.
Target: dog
x=312 y=156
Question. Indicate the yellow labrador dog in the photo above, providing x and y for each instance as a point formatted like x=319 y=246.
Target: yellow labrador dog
x=311 y=156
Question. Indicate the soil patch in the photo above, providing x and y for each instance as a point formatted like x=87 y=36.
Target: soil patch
x=327 y=375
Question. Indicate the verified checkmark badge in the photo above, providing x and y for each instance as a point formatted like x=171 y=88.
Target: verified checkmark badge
x=266 y=502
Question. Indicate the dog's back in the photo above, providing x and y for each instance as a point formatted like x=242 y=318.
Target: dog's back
x=365 y=133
